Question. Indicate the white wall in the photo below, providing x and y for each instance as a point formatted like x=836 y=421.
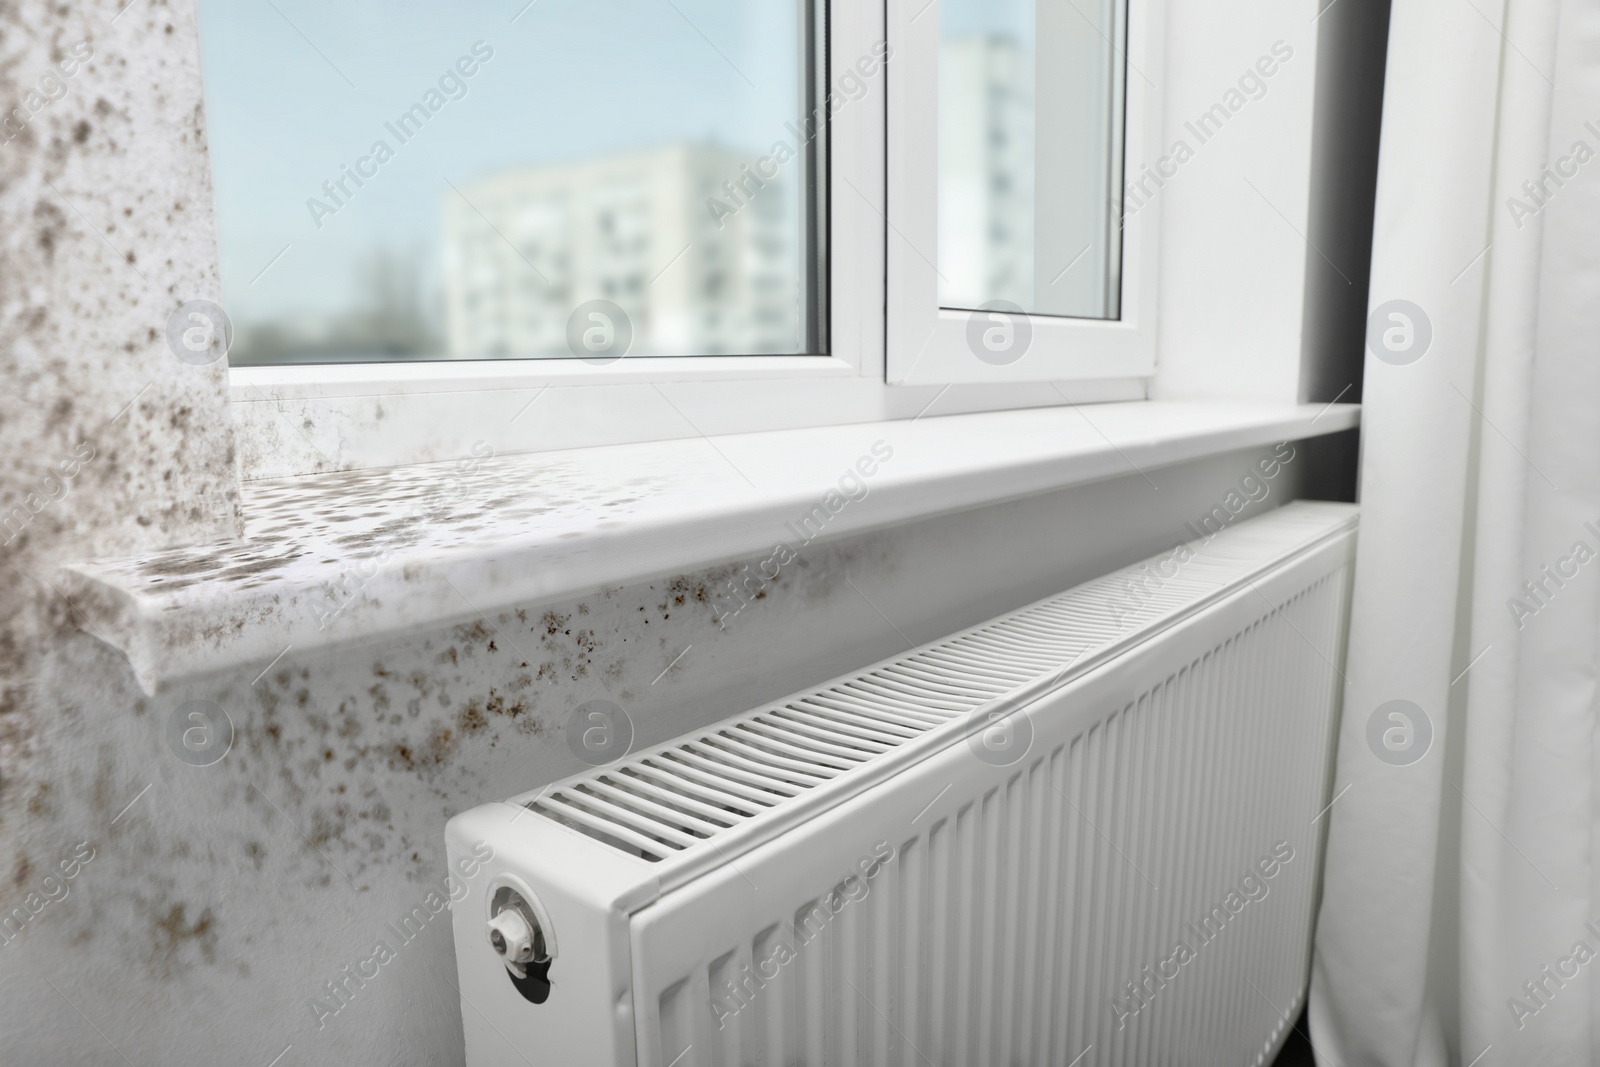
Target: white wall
x=1234 y=216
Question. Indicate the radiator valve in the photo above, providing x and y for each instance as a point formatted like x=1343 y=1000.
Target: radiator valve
x=512 y=935
x=515 y=933
x=520 y=934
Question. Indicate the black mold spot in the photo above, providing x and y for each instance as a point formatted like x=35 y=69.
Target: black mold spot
x=173 y=935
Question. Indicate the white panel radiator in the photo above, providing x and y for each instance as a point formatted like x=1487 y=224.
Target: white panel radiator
x=1087 y=832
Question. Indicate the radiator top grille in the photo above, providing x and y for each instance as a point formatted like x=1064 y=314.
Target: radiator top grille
x=659 y=803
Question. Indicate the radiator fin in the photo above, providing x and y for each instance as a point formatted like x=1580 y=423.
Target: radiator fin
x=746 y=766
x=1008 y=929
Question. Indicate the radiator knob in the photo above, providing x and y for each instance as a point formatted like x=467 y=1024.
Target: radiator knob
x=520 y=934
x=512 y=936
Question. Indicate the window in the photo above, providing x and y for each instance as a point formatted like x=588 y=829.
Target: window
x=471 y=181
x=1030 y=156
x=782 y=213
x=1010 y=255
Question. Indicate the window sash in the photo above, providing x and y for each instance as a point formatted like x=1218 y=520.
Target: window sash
x=928 y=344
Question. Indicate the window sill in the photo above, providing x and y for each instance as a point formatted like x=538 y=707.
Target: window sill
x=363 y=555
x=319 y=380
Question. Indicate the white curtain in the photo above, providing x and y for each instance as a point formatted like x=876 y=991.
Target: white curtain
x=1462 y=866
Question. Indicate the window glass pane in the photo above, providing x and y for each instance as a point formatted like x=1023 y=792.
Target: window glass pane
x=469 y=180
x=1030 y=154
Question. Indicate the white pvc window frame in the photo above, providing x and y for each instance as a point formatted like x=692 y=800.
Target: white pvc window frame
x=930 y=344
x=651 y=398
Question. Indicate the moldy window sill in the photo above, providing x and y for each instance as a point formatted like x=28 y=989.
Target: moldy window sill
x=363 y=555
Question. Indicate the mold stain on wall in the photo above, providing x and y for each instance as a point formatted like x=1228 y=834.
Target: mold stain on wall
x=270 y=868
x=111 y=444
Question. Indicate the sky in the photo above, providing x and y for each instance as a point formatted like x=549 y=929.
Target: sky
x=297 y=88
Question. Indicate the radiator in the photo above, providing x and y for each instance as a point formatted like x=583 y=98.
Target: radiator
x=1086 y=832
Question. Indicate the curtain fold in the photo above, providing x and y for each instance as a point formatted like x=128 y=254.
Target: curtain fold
x=1459 y=908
